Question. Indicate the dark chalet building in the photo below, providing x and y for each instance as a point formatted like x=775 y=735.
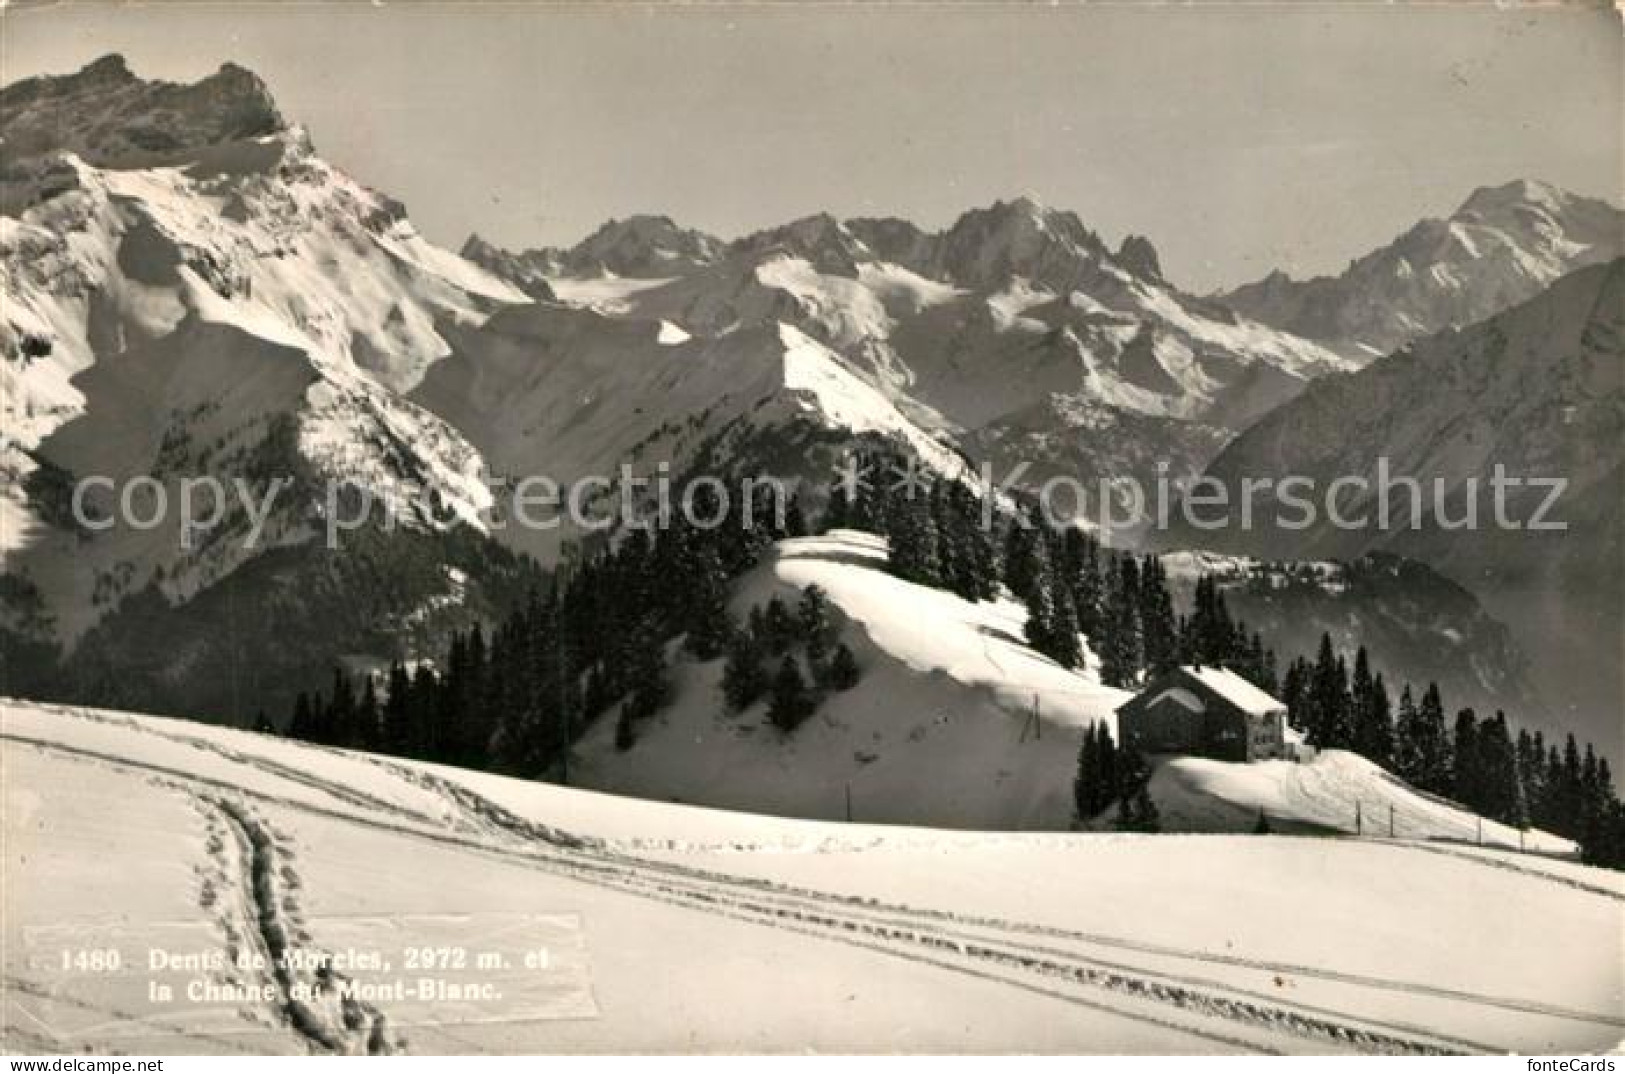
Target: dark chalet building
x=1206 y=711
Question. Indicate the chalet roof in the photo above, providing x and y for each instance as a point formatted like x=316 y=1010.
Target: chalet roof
x=1234 y=689
x=1181 y=695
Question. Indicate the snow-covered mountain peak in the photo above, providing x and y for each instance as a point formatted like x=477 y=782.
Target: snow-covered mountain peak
x=527 y=270
x=1503 y=245
x=985 y=247
x=640 y=247
x=643 y=246
x=821 y=240
x=1493 y=201
x=191 y=290
x=109 y=116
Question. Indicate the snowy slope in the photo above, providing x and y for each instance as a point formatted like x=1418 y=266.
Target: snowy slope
x=133 y=833
x=1335 y=792
x=938 y=731
x=576 y=393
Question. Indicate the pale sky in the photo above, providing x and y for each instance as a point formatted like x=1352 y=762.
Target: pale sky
x=1238 y=137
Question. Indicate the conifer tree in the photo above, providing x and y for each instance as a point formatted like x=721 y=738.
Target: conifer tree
x=423 y=725
x=1111 y=764
x=790 y=702
x=338 y=725
x=1497 y=770
x=1433 y=743
x=1122 y=656
x=302 y=725
x=648 y=676
x=913 y=552
x=1051 y=628
x=1138 y=813
x=1379 y=746
x=1210 y=634
x=1518 y=813
x=1571 y=787
x=967 y=556
x=367 y=717
x=1408 y=735
x=1087 y=778
x=1466 y=780
x=778 y=628
x=1095 y=784
x=1065 y=648
x=744 y=679
x=625 y=736
x=1023 y=554
x=843 y=668
x=817 y=628
x=394 y=730
x=795 y=517
x=1295 y=692
x=1340 y=707
x=1323 y=699
x=1531 y=751
x=1372 y=730
x=704 y=600
x=1081 y=571
x=1158 y=627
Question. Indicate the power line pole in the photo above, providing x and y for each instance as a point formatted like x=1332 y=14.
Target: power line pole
x=561 y=672
x=1359 y=820
x=1029 y=722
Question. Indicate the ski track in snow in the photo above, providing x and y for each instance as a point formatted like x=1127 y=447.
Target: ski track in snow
x=47 y=1042
x=1066 y=964
x=265 y=876
x=249 y=888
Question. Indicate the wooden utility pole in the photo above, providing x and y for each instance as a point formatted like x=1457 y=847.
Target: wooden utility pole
x=1031 y=722
x=849 y=803
x=561 y=670
x=1390 y=820
x=1359 y=820
x=563 y=702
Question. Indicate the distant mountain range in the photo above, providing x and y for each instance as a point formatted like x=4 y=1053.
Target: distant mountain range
x=1012 y=324
x=1538 y=389
x=1504 y=245
x=193 y=290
